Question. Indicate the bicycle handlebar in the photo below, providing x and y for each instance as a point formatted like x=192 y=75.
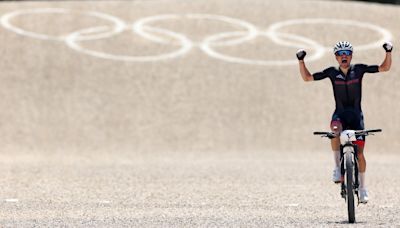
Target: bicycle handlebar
x=357 y=133
x=321 y=133
x=330 y=135
x=374 y=130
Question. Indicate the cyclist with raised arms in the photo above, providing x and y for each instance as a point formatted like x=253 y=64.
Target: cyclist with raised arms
x=346 y=81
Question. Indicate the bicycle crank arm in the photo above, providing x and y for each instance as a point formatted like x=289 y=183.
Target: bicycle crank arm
x=343 y=192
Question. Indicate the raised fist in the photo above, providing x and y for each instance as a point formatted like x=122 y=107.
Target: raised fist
x=300 y=54
x=388 y=46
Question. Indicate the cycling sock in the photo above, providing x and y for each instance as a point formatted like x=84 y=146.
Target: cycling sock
x=336 y=157
x=362 y=180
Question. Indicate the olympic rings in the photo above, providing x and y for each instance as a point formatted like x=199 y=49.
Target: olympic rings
x=145 y=28
x=5 y=21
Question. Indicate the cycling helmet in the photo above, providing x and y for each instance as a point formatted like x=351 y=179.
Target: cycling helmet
x=342 y=46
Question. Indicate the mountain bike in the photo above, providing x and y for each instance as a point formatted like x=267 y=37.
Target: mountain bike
x=349 y=165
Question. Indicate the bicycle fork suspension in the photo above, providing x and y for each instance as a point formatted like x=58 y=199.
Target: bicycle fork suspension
x=354 y=150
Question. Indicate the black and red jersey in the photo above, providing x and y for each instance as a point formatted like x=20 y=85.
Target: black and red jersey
x=347 y=89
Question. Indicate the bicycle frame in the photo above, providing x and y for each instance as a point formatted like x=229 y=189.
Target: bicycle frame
x=349 y=165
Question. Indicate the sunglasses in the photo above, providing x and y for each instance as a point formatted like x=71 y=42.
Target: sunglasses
x=344 y=52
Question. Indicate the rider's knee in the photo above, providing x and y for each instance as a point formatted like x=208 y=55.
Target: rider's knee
x=336 y=127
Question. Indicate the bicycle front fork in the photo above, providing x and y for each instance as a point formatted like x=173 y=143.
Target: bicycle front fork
x=343 y=171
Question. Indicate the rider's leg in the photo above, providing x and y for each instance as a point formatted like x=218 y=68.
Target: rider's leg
x=362 y=164
x=362 y=168
x=336 y=127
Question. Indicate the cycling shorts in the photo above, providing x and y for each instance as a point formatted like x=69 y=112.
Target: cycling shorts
x=351 y=119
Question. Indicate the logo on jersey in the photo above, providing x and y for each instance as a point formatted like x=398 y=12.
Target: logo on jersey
x=352 y=74
x=340 y=76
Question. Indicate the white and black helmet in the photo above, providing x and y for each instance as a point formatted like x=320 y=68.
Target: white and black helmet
x=342 y=46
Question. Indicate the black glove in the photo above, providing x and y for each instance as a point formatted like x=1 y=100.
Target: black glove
x=300 y=54
x=388 y=46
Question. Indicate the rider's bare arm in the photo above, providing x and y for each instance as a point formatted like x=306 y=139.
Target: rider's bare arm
x=304 y=72
x=387 y=62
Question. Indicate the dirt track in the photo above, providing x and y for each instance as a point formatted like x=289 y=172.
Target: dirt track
x=198 y=140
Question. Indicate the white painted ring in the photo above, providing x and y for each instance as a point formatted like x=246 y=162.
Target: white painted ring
x=73 y=42
x=386 y=35
x=209 y=50
x=139 y=26
x=119 y=25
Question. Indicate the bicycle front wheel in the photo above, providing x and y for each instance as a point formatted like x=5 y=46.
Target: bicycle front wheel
x=350 y=186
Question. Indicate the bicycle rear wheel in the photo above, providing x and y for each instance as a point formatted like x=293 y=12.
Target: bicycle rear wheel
x=350 y=186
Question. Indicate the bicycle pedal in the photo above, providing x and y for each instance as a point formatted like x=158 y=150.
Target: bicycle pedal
x=343 y=194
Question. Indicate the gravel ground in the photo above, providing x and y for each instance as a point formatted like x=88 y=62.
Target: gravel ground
x=230 y=190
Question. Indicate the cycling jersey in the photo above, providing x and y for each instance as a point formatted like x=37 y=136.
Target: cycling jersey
x=347 y=88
